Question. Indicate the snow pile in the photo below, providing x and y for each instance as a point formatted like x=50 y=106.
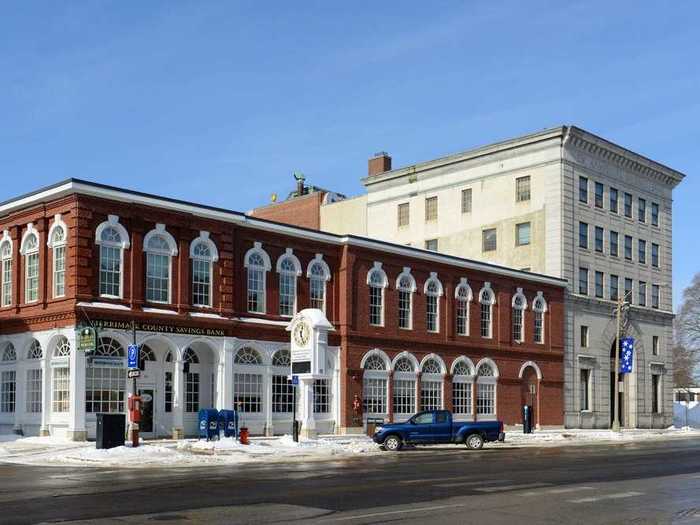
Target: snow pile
x=584 y=437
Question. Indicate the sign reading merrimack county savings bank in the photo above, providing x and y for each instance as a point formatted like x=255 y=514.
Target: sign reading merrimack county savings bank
x=160 y=327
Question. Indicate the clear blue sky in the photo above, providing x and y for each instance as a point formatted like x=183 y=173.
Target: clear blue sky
x=218 y=102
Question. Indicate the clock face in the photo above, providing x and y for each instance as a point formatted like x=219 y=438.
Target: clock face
x=301 y=334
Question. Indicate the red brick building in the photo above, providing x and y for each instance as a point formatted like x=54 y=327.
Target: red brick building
x=210 y=291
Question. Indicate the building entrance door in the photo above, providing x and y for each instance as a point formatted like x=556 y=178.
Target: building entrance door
x=147 y=425
x=528 y=393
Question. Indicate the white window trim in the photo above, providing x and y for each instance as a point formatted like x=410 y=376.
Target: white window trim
x=520 y=295
x=5 y=239
x=489 y=302
x=266 y=267
x=410 y=289
x=160 y=231
x=214 y=257
x=289 y=255
x=113 y=222
x=433 y=279
x=29 y=232
x=539 y=298
x=377 y=267
x=463 y=285
x=58 y=223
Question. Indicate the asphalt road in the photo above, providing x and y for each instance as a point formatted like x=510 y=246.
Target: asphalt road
x=656 y=482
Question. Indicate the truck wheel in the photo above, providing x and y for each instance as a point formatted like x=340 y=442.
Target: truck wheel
x=392 y=443
x=475 y=442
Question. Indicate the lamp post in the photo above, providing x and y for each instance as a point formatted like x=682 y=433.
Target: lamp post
x=621 y=303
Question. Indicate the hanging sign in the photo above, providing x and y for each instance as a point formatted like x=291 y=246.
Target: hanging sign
x=132 y=356
x=626 y=355
x=86 y=339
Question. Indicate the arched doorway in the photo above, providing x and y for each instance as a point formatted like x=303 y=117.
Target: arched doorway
x=529 y=390
x=620 y=394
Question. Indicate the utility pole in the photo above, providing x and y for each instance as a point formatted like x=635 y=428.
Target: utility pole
x=621 y=302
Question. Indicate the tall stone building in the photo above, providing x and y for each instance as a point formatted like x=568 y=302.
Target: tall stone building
x=562 y=202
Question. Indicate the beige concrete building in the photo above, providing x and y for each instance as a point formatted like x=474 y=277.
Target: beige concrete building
x=562 y=202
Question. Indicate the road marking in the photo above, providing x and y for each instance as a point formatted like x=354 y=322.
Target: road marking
x=618 y=495
x=471 y=483
x=554 y=491
x=453 y=478
x=404 y=511
x=513 y=487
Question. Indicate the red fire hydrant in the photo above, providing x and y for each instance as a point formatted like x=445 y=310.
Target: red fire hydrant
x=243 y=435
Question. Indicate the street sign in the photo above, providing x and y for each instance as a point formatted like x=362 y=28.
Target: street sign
x=295 y=380
x=133 y=373
x=86 y=339
x=132 y=356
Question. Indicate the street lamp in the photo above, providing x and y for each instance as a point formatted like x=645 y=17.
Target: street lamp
x=622 y=303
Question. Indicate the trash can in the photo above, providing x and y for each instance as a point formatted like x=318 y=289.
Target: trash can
x=228 y=423
x=372 y=424
x=527 y=419
x=208 y=423
x=111 y=429
x=296 y=428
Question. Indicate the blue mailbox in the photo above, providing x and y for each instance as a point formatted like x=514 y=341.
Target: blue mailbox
x=208 y=423
x=228 y=422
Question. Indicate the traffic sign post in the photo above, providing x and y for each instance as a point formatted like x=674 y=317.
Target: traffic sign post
x=132 y=357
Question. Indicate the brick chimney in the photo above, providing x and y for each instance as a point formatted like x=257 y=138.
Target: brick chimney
x=380 y=163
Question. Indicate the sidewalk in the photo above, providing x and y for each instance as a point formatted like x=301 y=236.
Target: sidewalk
x=193 y=452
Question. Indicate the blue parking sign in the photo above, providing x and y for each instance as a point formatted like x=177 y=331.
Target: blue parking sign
x=132 y=356
x=295 y=380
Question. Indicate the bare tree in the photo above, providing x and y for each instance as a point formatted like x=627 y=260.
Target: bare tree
x=686 y=351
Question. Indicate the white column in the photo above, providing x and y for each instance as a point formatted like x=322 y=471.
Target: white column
x=178 y=400
x=267 y=400
x=76 y=413
x=20 y=396
x=227 y=380
x=45 y=395
x=306 y=408
x=220 y=402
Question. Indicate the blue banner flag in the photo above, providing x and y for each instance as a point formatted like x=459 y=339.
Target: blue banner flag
x=626 y=354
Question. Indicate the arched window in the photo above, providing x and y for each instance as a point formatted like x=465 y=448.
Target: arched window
x=105 y=380
x=247 y=356
x=433 y=291
x=463 y=296
x=519 y=305
x=30 y=251
x=6 y=269
x=462 y=380
x=282 y=388
x=35 y=351
x=160 y=247
x=539 y=307
x=60 y=376
x=146 y=353
x=404 y=395
x=405 y=285
x=377 y=282
x=113 y=239
x=190 y=357
x=318 y=274
x=8 y=379
x=281 y=358
x=248 y=380
x=257 y=264
x=487 y=377
x=486 y=300
x=374 y=386
x=288 y=268
x=431 y=385
x=204 y=254
x=34 y=378
x=57 y=242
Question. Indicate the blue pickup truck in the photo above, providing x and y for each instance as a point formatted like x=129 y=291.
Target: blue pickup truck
x=435 y=427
